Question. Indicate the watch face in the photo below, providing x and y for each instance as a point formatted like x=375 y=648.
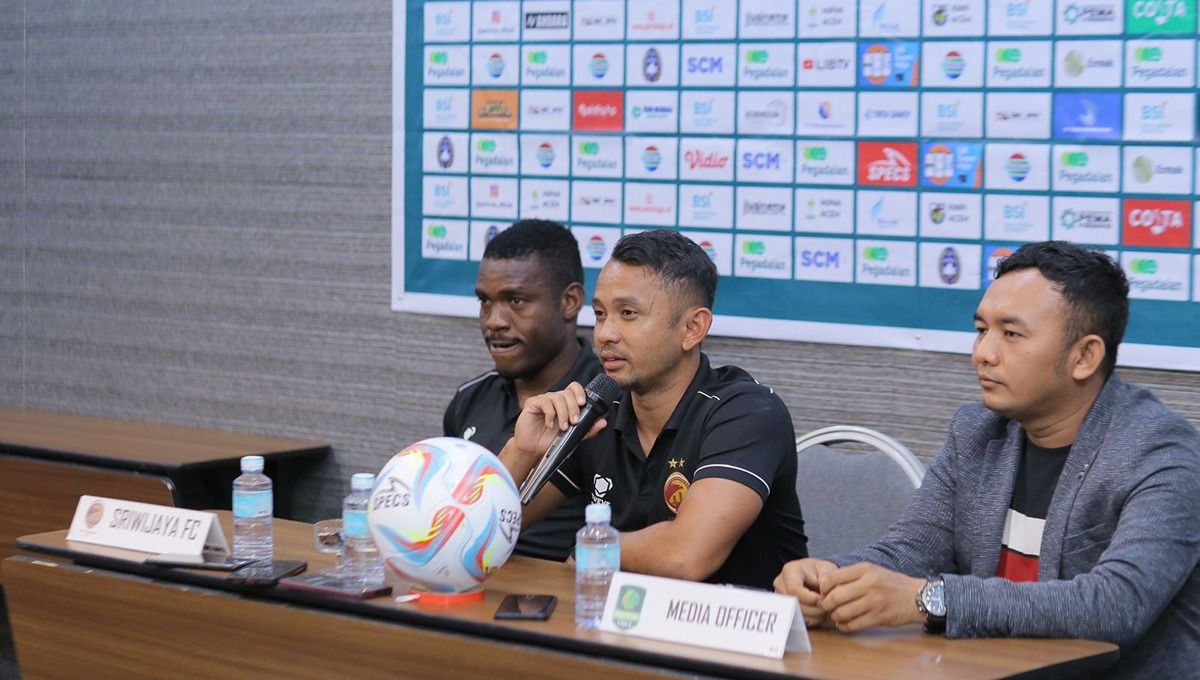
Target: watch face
x=933 y=596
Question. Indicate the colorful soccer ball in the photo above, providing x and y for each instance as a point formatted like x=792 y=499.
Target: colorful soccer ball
x=445 y=514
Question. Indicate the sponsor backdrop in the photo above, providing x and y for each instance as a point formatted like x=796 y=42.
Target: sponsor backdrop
x=854 y=168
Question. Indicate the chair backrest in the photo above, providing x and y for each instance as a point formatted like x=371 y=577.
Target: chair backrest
x=850 y=497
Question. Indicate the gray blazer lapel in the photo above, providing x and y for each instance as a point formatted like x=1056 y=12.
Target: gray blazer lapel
x=1079 y=461
x=998 y=475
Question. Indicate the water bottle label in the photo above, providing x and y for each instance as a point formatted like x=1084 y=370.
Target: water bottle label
x=354 y=523
x=252 y=504
x=598 y=558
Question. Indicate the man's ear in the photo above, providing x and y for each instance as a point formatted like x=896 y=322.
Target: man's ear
x=571 y=301
x=696 y=322
x=1086 y=357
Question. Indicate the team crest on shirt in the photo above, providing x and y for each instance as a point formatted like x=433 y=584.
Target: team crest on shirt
x=675 y=489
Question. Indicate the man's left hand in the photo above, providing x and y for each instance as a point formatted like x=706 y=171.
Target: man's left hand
x=865 y=595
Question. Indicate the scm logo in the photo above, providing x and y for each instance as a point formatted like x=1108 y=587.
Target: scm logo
x=705 y=65
x=760 y=161
x=821 y=259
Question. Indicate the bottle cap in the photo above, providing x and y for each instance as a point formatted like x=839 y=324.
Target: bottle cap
x=362 y=481
x=252 y=463
x=598 y=512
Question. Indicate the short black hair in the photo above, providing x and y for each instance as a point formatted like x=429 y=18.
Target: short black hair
x=677 y=259
x=548 y=241
x=1093 y=285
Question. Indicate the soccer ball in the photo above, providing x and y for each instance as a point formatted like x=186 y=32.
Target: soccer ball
x=444 y=514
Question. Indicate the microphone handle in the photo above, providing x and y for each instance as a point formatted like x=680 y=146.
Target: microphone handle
x=546 y=466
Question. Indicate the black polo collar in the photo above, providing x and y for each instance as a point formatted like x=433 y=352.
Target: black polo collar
x=625 y=419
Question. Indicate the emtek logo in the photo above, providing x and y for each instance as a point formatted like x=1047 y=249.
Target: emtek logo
x=875 y=254
x=1148 y=267
x=754 y=248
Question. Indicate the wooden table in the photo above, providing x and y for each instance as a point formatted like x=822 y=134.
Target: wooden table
x=71 y=620
x=48 y=460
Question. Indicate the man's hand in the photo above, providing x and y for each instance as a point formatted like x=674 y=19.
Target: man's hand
x=802 y=578
x=865 y=595
x=546 y=416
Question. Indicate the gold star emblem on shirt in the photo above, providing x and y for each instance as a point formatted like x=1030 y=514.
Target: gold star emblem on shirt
x=675 y=463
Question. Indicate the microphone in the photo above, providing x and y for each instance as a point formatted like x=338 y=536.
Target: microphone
x=600 y=394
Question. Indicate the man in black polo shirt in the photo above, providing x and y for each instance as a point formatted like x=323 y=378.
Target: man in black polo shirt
x=530 y=289
x=698 y=463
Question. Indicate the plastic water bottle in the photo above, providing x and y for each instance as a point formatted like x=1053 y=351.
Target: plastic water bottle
x=361 y=561
x=253 y=503
x=597 y=558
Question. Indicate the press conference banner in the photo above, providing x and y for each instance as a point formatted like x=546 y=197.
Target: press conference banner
x=855 y=169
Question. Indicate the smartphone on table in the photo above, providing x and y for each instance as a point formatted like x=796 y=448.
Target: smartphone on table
x=327 y=584
x=526 y=607
x=266 y=573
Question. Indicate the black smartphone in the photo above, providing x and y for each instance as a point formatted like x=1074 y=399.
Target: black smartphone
x=266 y=573
x=333 y=585
x=222 y=564
x=526 y=607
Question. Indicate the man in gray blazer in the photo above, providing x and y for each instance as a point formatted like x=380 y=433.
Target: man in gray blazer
x=1067 y=504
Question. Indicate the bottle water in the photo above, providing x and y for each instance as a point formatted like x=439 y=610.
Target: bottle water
x=361 y=562
x=597 y=558
x=253 y=502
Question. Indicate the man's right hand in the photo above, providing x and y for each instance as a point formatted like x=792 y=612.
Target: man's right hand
x=546 y=416
x=802 y=578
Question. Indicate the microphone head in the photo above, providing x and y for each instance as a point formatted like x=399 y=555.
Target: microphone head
x=603 y=390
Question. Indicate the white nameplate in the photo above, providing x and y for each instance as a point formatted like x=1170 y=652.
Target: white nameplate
x=156 y=529
x=720 y=617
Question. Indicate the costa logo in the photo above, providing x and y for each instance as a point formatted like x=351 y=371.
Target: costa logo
x=602 y=111
x=1162 y=224
x=889 y=164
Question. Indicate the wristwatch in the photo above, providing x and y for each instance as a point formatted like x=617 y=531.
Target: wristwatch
x=931 y=601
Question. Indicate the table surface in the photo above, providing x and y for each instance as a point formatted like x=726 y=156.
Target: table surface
x=893 y=653
x=136 y=445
